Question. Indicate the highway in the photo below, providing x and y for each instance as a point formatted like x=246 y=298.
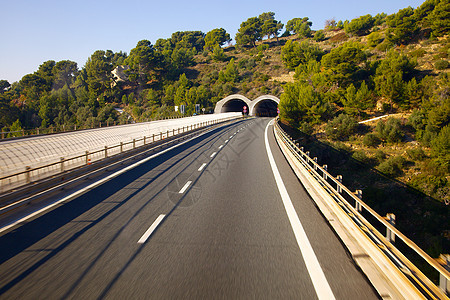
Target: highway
x=209 y=219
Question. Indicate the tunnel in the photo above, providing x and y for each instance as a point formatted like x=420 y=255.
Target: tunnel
x=265 y=108
x=234 y=105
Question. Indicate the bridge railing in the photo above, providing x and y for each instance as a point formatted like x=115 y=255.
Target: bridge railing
x=30 y=175
x=351 y=202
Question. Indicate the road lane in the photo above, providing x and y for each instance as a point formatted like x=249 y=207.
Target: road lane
x=226 y=236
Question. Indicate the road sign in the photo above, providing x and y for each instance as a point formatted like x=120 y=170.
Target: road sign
x=278 y=110
x=245 y=109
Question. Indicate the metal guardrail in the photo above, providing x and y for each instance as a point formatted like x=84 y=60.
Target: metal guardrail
x=30 y=175
x=343 y=196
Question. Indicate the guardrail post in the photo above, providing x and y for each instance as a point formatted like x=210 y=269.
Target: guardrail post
x=153 y=138
x=444 y=284
x=173 y=132
x=339 y=189
x=144 y=140
x=121 y=147
x=390 y=236
x=134 y=143
x=325 y=167
x=178 y=130
x=358 y=205
x=106 y=151
x=160 y=136
x=167 y=133
x=87 y=158
x=27 y=174
x=307 y=153
x=62 y=164
x=315 y=160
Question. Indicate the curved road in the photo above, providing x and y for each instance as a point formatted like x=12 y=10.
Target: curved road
x=204 y=220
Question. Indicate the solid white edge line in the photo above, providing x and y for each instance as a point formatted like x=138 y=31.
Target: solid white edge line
x=321 y=285
x=226 y=141
x=201 y=167
x=221 y=146
x=92 y=186
x=185 y=187
x=150 y=230
x=212 y=155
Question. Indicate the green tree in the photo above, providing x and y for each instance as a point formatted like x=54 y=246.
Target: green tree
x=440 y=18
x=294 y=53
x=343 y=62
x=402 y=26
x=216 y=37
x=300 y=26
x=15 y=129
x=270 y=26
x=391 y=75
x=98 y=74
x=4 y=85
x=360 y=26
x=301 y=103
x=249 y=32
x=230 y=74
x=142 y=62
x=218 y=54
x=64 y=73
x=441 y=147
x=45 y=71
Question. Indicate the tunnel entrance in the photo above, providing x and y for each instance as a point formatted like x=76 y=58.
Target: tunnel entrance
x=234 y=105
x=266 y=108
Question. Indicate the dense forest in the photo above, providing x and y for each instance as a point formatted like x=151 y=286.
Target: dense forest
x=327 y=80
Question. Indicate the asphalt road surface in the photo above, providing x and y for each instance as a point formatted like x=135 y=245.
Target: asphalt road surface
x=204 y=220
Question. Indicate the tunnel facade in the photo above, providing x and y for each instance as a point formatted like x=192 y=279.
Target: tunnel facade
x=263 y=106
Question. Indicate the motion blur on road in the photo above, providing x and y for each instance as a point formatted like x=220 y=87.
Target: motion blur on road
x=204 y=220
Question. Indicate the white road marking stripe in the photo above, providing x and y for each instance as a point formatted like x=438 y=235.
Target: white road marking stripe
x=201 y=167
x=212 y=155
x=221 y=146
x=185 y=187
x=152 y=228
x=91 y=186
x=231 y=137
x=226 y=141
x=318 y=278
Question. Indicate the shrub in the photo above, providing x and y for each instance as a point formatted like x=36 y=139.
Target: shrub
x=392 y=166
x=361 y=156
x=319 y=36
x=374 y=39
x=306 y=128
x=380 y=156
x=441 y=64
x=341 y=127
x=416 y=154
x=384 y=46
x=390 y=131
x=371 y=140
x=418 y=53
x=360 y=26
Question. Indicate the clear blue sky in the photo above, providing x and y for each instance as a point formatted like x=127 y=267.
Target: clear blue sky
x=35 y=31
